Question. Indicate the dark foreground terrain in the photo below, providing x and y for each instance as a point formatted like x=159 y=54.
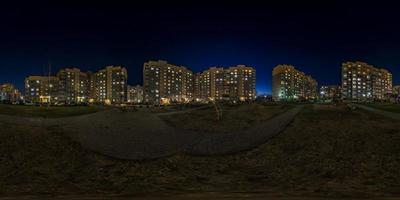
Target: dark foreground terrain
x=328 y=151
x=47 y=112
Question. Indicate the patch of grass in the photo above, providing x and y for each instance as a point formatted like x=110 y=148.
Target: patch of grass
x=51 y=112
x=391 y=107
x=336 y=152
x=238 y=117
x=326 y=151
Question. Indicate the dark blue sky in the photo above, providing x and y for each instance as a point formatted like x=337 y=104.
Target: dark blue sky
x=316 y=37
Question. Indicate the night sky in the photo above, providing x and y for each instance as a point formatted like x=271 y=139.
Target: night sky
x=314 y=37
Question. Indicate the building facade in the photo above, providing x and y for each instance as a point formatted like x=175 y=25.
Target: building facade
x=196 y=86
x=240 y=83
x=91 y=86
x=364 y=82
x=210 y=84
x=290 y=84
x=236 y=83
x=109 y=85
x=9 y=93
x=330 y=93
x=135 y=94
x=73 y=86
x=41 y=89
x=164 y=83
x=396 y=91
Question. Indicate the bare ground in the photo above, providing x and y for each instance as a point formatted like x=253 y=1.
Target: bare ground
x=328 y=152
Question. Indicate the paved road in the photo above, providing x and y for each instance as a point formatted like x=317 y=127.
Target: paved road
x=143 y=135
x=392 y=115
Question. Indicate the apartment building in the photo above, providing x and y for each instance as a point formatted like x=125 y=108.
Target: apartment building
x=164 y=83
x=91 y=86
x=396 y=91
x=240 y=83
x=8 y=92
x=210 y=84
x=310 y=89
x=110 y=85
x=196 y=86
x=290 y=84
x=41 y=89
x=330 y=93
x=73 y=86
x=236 y=83
x=364 y=82
x=135 y=94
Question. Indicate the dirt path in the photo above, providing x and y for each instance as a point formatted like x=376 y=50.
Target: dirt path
x=184 y=111
x=221 y=144
x=143 y=135
x=125 y=135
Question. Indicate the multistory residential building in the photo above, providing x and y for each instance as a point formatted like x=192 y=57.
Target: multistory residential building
x=91 y=86
x=364 y=82
x=240 y=83
x=396 y=91
x=73 y=86
x=41 y=89
x=164 y=83
x=211 y=84
x=290 y=84
x=8 y=92
x=310 y=89
x=236 y=83
x=110 y=85
x=196 y=86
x=135 y=94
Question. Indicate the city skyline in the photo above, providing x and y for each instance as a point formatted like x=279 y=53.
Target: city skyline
x=164 y=83
x=314 y=37
x=54 y=71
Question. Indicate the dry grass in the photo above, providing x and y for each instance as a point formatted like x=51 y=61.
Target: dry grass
x=391 y=107
x=326 y=152
x=47 y=112
x=233 y=118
